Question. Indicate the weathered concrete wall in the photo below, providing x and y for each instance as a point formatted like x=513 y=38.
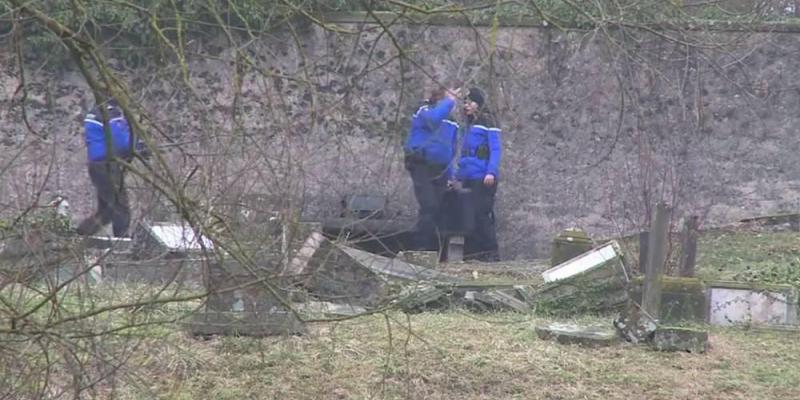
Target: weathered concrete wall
x=595 y=130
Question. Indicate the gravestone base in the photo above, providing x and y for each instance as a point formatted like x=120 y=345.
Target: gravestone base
x=587 y=336
x=280 y=322
x=680 y=339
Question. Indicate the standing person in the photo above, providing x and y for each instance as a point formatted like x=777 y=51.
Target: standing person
x=106 y=121
x=429 y=152
x=478 y=171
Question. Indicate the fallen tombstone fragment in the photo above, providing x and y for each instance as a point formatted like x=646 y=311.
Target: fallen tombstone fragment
x=168 y=240
x=270 y=323
x=587 y=336
x=428 y=259
x=635 y=327
x=421 y=297
x=680 y=339
x=330 y=309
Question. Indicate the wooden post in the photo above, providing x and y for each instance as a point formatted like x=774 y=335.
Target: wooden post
x=657 y=256
x=644 y=237
x=689 y=246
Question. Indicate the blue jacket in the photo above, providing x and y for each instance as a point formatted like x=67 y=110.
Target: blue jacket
x=95 y=135
x=480 y=151
x=432 y=135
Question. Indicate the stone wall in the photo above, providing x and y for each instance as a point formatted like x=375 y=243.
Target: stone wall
x=596 y=128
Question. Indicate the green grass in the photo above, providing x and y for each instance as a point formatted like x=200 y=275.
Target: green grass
x=727 y=254
x=466 y=356
x=437 y=355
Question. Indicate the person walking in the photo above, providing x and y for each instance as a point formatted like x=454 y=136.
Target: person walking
x=108 y=142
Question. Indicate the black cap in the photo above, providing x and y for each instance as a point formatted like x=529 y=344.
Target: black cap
x=477 y=96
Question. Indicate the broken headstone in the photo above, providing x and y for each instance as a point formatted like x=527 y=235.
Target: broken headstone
x=427 y=259
x=329 y=309
x=495 y=300
x=634 y=326
x=417 y=298
x=168 y=240
x=680 y=339
x=269 y=323
x=587 y=336
x=594 y=281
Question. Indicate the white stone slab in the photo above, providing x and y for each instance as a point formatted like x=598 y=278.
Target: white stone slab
x=731 y=306
x=179 y=237
x=582 y=263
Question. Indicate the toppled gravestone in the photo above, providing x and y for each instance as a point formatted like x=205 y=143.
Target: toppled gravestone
x=586 y=336
x=428 y=259
x=346 y=275
x=169 y=240
x=680 y=339
x=594 y=281
x=160 y=253
x=245 y=300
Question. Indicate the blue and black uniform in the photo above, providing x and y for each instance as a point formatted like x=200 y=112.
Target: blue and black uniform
x=105 y=170
x=481 y=151
x=429 y=152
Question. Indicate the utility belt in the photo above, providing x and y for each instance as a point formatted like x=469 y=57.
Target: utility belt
x=417 y=157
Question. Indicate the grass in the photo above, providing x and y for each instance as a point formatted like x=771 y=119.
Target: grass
x=455 y=353
x=466 y=356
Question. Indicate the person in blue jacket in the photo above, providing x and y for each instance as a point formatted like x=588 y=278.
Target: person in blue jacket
x=478 y=172
x=106 y=121
x=429 y=153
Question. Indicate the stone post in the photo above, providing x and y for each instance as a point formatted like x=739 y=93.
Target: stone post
x=657 y=256
x=689 y=246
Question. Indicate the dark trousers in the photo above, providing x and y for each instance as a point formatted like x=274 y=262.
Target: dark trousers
x=112 y=201
x=430 y=184
x=481 y=240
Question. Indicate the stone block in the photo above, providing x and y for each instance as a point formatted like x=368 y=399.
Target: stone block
x=236 y=288
x=395 y=269
x=257 y=324
x=569 y=244
x=427 y=259
x=587 y=336
x=587 y=262
x=739 y=303
x=680 y=339
x=682 y=299
x=329 y=309
x=168 y=240
x=421 y=297
x=455 y=249
x=596 y=281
